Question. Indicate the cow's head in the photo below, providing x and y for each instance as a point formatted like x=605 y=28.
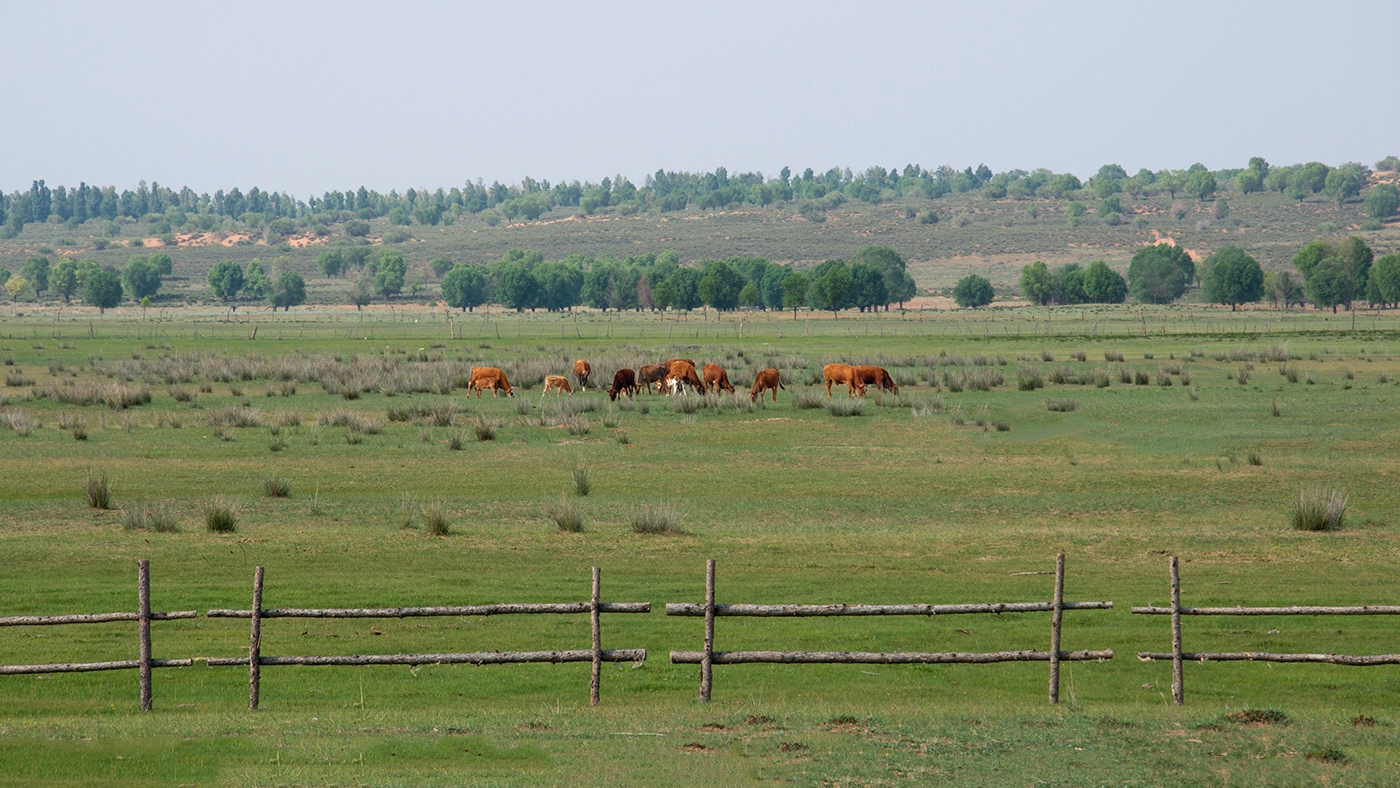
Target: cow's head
x=612 y=394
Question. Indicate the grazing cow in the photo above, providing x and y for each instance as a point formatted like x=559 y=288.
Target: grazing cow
x=624 y=382
x=843 y=374
x=581 y=371
x=649 y=374
x=716 y=379
x=490 y=378
x=877 y=377
x=767 y=379
x=681 y=372
x=557 y=383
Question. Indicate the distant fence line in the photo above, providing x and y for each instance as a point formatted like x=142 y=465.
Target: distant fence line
x=708 y=658
x=1178 y=656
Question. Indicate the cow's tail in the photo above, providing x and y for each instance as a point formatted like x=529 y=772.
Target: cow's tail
x=781 y=386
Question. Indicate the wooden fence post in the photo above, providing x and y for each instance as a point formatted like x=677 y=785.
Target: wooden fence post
x=255 y=643
x=1056 y=617
x=595 y=619
x=708 y=656
x=1178 y=688
x=143 y=613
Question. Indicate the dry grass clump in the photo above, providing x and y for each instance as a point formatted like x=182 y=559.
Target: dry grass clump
x=97 y=488
x=582 y=484
x=658 y=518
x=160 y=517
x=1060 y=405
x=435 y=520
x=1029 y=379
x=568 y=516
x=845 y=407
x=1319 y=509
x=20 y=422
x=275 y=487
x=486 y=428
x=806 y=400
x=1113 y=355
x=220 y=515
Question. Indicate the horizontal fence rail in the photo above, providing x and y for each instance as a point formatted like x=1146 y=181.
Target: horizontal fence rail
x=143 y=617
x=595 y=607
x=708 y=657
x=1179 y=656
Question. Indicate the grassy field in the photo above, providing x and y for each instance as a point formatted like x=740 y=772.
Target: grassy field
x=920 y=498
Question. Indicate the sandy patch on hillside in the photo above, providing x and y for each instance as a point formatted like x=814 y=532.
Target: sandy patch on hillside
x=1159 y=240
x=300 y=241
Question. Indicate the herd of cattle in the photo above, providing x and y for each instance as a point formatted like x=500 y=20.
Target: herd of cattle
x=678 y=374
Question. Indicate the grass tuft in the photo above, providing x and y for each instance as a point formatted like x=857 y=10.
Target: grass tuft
x=806 y=400
x=582 y=484
x=97 y=488
x=1319 y=509
x=1060 y=405
x=486 y=428
x=435 y=520
x=160 y=517
x=568 y=516
x=275 y=487
x=220 y=515
x=845 y=407
x=659 y=518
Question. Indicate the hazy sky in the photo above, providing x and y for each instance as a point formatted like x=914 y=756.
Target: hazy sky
x=307 y=97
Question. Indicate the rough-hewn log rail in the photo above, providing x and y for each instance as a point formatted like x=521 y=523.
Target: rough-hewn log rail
x=91 y=618
x=91 y=667
x=475 y=658
x=562 y=608
x=1266 y=656
x=877 y=658
x=802 y=611
x=1292 y=610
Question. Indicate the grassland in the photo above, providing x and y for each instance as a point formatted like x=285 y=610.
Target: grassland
x=911 y=501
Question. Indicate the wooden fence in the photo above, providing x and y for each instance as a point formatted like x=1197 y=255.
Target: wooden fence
x=1179 y=657
x=594 y=607
x=143 y=616
x=709 y=610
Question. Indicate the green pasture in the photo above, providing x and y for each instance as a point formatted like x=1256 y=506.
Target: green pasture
x=911 y=501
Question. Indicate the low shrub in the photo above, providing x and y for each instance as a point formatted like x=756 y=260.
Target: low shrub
x=1060 y=405
x=660 y=518
x=845 y=406
x=486 y=428
x=1029 y=379
x=160 y=517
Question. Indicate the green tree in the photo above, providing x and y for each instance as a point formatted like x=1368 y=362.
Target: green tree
x=1249 y=181
x=102 y=289
x=899 y=285
x=389 y=276
x=330 y=262
x=1201 y=184
x=1284 y=289
x=516 y=286
x=1107 y=205
x=868 y=287
x=1103 y=285
x=1327 y=285
x=972 y=291
x=829 y=291
x=1070 y=289
x=440 y=265
x=1345 y=182
x=1383 y=201
x=362 y=292
x=795 y=286
x=141 y=277
x=721 y=285
x=1385 y=280
x=1159 y=274
x=465 y=287
x=226 y=279
x=36 y=271
x=750 y=296
x=63 y=278
x=1232 y=277
x=256 y=284
x=685 y=284
x=1038 y=284
x=290 y=291
x=164 y=265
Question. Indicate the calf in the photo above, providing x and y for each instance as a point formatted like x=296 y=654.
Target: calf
x=624 y=382
x=681 y=372
x=877 y=377
x=765 y=380
x=581 y=371
x=557 y=383
x=716 y=379
x=843 y=374
x=489 y=378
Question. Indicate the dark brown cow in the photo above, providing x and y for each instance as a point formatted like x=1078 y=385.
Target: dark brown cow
x=767 y=379
x=624 y=382
x=651 y=373
x=489 y=378
x=877 y=377
x=843 y=374
x=581 y=371
x=716 y=379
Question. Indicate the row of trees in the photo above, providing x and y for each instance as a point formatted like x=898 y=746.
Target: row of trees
x=672 y=191
x=284 y=289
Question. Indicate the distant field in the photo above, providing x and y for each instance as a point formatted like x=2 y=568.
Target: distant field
x=992 y=237
x=911 y=501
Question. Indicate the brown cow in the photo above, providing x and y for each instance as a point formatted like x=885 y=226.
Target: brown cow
x=581 y=371
x=767 y=379
x=716 y=379
x=651 y=373
x=557 y=383
x=681 y=372
x=490 y=378
x=877 y=377
x=624 y=382
x=843 y=373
